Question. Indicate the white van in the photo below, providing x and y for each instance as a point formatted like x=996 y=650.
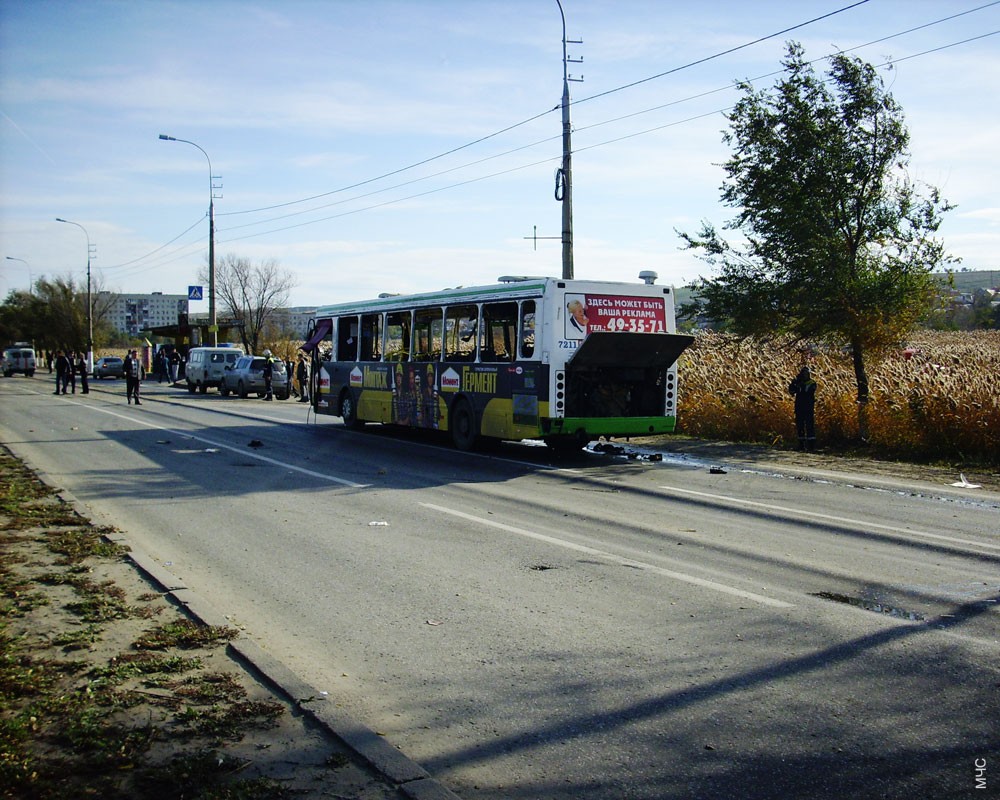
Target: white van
x=205 y=366
x=19 y=358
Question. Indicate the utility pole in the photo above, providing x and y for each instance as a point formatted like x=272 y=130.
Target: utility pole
x=564 y=176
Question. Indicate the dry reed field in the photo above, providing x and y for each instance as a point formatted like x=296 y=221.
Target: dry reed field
x=936 y=398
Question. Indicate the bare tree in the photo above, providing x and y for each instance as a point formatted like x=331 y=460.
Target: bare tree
x=250 y=293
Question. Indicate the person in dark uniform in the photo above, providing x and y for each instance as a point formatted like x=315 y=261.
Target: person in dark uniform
x=803 y=389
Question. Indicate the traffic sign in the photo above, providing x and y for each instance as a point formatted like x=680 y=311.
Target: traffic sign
x=194 y=293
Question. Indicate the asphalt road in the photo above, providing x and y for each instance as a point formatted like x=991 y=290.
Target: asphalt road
x=592 y=627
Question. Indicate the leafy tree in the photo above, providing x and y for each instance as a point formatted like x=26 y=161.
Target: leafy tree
x=54 y=315
x=250 y=292
x=838 y=242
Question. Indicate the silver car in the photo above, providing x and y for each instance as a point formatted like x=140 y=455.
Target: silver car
x=247 y=375
x=109 y=367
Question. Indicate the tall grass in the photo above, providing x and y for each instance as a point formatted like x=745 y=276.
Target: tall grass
x=936 y=398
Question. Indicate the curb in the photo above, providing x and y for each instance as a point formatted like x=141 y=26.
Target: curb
x=409 y=778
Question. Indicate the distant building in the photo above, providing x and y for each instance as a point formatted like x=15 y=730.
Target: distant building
x=295 y=320
x=134 y=313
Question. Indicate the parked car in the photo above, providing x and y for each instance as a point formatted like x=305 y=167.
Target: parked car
x=247 y=375
x=206 y=366
x=19 y=358
x=109 y=367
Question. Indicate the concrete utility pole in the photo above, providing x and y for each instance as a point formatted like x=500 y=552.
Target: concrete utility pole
x=564 y=177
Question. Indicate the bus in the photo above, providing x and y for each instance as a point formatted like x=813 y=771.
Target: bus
x=564 y=361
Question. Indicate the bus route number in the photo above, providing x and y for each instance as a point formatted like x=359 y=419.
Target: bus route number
x=568 y=344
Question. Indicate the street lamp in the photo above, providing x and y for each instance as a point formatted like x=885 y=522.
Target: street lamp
x=31 y=282
x=90 y=307
x=213 y=328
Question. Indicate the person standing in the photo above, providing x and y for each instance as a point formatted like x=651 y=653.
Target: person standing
x=175 y=363
x=132 y=375
x=803 y=389
x=268 y=375
x=81 y=367
x=302 y=376
x=71 y=372
x=63 y=368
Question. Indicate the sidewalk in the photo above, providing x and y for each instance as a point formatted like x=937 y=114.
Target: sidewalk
x=144 y=698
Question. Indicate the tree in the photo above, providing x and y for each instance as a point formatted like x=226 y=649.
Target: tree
x=838 y=241
x=250 y=293
x=54 y=315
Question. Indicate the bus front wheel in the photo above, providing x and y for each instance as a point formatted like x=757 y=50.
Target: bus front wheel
x=349 y=411
x=463 y=425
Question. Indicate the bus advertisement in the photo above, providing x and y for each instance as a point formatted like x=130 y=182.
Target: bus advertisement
x=565 y=361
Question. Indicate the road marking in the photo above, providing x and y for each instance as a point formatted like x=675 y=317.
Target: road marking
x=220 y=445
x=830 y=518
x=616 y=559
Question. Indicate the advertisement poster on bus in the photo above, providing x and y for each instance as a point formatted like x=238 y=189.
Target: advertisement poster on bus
x=587 y=313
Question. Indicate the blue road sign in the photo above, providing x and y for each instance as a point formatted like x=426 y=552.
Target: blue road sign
x=194 y=293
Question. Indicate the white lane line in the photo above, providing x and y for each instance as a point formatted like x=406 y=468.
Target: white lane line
x=615 y=559
x=863 y=524
x=220 y=445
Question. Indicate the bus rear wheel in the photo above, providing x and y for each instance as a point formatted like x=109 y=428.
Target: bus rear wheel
x=463 y=425
x=349 y=411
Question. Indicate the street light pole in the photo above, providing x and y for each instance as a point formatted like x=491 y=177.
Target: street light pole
x=31 y=282
x=213 y=327
x=90 y=307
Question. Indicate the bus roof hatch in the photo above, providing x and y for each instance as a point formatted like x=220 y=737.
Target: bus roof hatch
x=606 y=349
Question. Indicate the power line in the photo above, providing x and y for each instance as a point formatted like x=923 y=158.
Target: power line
x=548 y=139
x=544 y=113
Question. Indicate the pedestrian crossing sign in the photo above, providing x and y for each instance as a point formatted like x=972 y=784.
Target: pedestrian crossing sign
x=194 y=293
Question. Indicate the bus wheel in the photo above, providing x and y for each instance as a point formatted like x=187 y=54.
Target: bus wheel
x=349 y=412
x=463 y=425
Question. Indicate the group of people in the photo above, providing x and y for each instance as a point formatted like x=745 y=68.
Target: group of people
x=299 y=372
x=67 y=367
x=167 y=365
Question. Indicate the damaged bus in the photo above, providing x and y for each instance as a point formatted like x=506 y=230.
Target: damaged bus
x=565 y=361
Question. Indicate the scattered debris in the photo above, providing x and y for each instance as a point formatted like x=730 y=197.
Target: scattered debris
x=255 y=443
x=717 y=471
x=434 y=622
x=964 y=484
x=378 y=523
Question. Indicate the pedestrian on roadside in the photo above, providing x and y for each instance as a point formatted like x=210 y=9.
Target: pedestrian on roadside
x=81 y=367
x=49 y=359
x=71 y=372
x=132 y=375
x=302 y=376
x=803 y=388
x=175 y=363
x=63 y=368
x=268 y=375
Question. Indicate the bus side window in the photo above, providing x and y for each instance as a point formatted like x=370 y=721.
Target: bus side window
x=397 y=336
x=347 y=339
x=527 y=329
x=498 y=332
x=427 y=327
x=460 y=333
x=371 y=337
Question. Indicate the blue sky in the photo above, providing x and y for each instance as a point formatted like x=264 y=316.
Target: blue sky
x=338 y=100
